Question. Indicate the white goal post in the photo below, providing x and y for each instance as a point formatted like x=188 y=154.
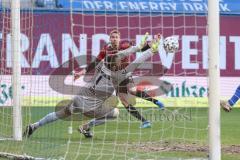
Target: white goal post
x=16 y=76
x=214 y=80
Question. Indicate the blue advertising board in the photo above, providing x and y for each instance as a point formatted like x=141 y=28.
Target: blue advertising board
x=230 y=7
x=150 y=6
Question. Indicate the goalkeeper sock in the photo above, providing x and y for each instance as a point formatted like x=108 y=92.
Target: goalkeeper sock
x=51 y=117
x=96 y=122
x=134 y=112
x=235 y=97
x=146 y=96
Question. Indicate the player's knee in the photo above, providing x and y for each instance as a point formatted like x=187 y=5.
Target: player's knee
x=127 y=99
x=133 y=91
x=62 y=109
x=124 y=102
x=115 y=113
x=123 y=96
x=67 y=111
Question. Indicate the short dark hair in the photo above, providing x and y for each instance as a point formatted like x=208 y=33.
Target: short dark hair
x=115 y=31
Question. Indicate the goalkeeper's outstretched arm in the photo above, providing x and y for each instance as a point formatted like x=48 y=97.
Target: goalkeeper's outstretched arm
x=143 y=46
x=91 y=66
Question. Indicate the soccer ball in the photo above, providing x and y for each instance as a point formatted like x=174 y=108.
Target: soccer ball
x=171 y=44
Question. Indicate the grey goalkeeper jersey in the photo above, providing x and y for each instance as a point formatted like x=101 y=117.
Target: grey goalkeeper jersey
x=94 y=93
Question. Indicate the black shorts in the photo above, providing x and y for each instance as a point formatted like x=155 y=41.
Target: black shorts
x=123 y=86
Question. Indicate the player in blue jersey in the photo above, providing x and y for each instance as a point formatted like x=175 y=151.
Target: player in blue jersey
x=227 y=105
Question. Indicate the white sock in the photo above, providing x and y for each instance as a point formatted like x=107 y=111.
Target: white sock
x=51 y=117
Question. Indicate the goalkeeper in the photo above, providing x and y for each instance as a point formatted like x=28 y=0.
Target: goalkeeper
x=118 y=68
x=94 y=100
x=227 y=106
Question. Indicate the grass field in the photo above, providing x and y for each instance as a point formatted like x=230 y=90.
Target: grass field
x=175 y=133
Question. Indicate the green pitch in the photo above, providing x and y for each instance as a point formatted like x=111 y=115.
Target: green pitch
x=175 y=133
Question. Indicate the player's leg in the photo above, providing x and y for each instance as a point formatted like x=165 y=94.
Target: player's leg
x=124 y=75
x=102 y=115
x=232 y=101
x=98 y=105
x=49 y=118
x=127 y=103
x=142 y=94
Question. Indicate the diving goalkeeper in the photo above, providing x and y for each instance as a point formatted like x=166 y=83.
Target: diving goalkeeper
x=92 y=100
x=118 y=68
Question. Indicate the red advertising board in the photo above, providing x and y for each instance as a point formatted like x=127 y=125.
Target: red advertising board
x=50 y=39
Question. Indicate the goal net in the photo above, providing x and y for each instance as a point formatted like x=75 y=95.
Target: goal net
x=56 y=35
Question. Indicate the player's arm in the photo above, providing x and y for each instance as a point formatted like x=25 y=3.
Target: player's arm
x=99 y=58
x=144 y=45
x=129 y=49
x=225 y=106
x=92 y=65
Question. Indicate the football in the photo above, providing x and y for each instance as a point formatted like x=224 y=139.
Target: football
x=171 y=44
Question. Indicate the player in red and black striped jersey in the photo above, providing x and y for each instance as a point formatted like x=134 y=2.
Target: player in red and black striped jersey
x=113 y=64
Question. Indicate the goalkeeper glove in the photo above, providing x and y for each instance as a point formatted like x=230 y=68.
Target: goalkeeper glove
x=143 y=41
